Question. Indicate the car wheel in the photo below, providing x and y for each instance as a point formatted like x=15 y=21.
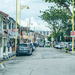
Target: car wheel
x=17 y=54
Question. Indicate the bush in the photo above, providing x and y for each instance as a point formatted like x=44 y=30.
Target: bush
x=47 y=46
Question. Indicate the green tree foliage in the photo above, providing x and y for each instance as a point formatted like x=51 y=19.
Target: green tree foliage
x=64 y=3
x=58 y=19
x=49 y=38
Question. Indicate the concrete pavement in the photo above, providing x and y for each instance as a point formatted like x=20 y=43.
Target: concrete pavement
x=43 y=61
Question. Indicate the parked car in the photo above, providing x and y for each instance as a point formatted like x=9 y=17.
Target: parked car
x=63 y=45
x=55 y=43
x=69 y=43
x=41 y=44
x=70 y=47
x=47 y=44
x=24 y=48
x=58 y=46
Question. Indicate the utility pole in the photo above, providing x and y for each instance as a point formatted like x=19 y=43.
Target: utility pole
x=21 y=8
x=20 y=23
x=16 y=28
x=52 y=34
x=29 y=28
x=72 y=24
x=27 y=31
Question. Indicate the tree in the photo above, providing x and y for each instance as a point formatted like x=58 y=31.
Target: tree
x=52 y=16
x=58 y=19
x=49 y=38
x=62 y=3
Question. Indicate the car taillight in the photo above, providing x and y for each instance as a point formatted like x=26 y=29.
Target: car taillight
x=16 y=47
x=28 y=47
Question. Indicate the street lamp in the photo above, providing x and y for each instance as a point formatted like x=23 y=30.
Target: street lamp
x=21 y=8
x=73 y=25
x=52 y=34
x=28 y=29
x=16 y=28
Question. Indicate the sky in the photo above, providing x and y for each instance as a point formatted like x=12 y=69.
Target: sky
x=9 y=7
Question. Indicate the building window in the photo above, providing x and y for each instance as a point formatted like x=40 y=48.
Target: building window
x=9 y=25
x=40 y=32
x=4 y=25
x=47 y=32
x=44 y=32
x=13 y=26
x=0 y=25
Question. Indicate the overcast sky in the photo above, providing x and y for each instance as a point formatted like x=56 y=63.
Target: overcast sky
x=9 y=7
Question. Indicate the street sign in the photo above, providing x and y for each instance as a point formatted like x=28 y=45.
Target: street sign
x=72 y=33
x=25 y=37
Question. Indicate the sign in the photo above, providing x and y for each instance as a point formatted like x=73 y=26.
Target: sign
x=72 y=33
x=12 y=32
x=25 y=37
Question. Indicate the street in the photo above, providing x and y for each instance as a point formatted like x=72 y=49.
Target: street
x=43 y=61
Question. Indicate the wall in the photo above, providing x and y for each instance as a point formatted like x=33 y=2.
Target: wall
x=0 y=41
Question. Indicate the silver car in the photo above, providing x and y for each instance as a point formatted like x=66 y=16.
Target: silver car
x=24 y=48
x=58 y=46
x=41 y=44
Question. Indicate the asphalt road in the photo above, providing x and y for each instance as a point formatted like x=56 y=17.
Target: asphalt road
x=43 y=61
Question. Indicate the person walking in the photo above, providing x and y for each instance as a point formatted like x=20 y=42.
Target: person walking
x=12 y=45
x=8 y=45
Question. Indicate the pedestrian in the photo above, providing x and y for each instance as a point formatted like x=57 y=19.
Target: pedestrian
x=8 y=45
x=12 y=45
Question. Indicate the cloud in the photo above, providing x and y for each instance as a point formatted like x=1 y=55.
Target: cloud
x=35 y=25
x=9 y=7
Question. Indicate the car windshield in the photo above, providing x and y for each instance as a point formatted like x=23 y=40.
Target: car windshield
x=41 y=43
x=47 y=43
x=22 y=45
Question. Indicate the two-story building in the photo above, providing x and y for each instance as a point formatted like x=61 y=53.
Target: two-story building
x=4 y=24
x=7 y=32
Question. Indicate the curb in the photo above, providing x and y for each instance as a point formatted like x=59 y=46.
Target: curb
x=70 y=52
x=6 y=58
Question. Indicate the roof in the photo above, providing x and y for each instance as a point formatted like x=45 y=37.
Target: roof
x=4 y=13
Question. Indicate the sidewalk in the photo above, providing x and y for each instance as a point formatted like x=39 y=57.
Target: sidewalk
x=5 y=58
x=70 y=52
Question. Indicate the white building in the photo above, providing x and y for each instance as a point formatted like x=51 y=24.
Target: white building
x=46 y=33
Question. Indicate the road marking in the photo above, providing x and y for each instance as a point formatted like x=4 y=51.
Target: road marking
x=2 y=62
x=12 y=57
x=9 y=58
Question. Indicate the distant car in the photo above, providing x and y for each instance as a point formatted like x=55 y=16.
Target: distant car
x=69 y=43
x=58 y=46
x=70 y=47
x=41 y=44
x=47 y=44
x=24 y=48
x=55 y=43
x=63 y=45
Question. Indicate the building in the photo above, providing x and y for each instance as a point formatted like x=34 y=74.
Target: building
x=46 y=33
x=7 y=33
x=4 y=27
